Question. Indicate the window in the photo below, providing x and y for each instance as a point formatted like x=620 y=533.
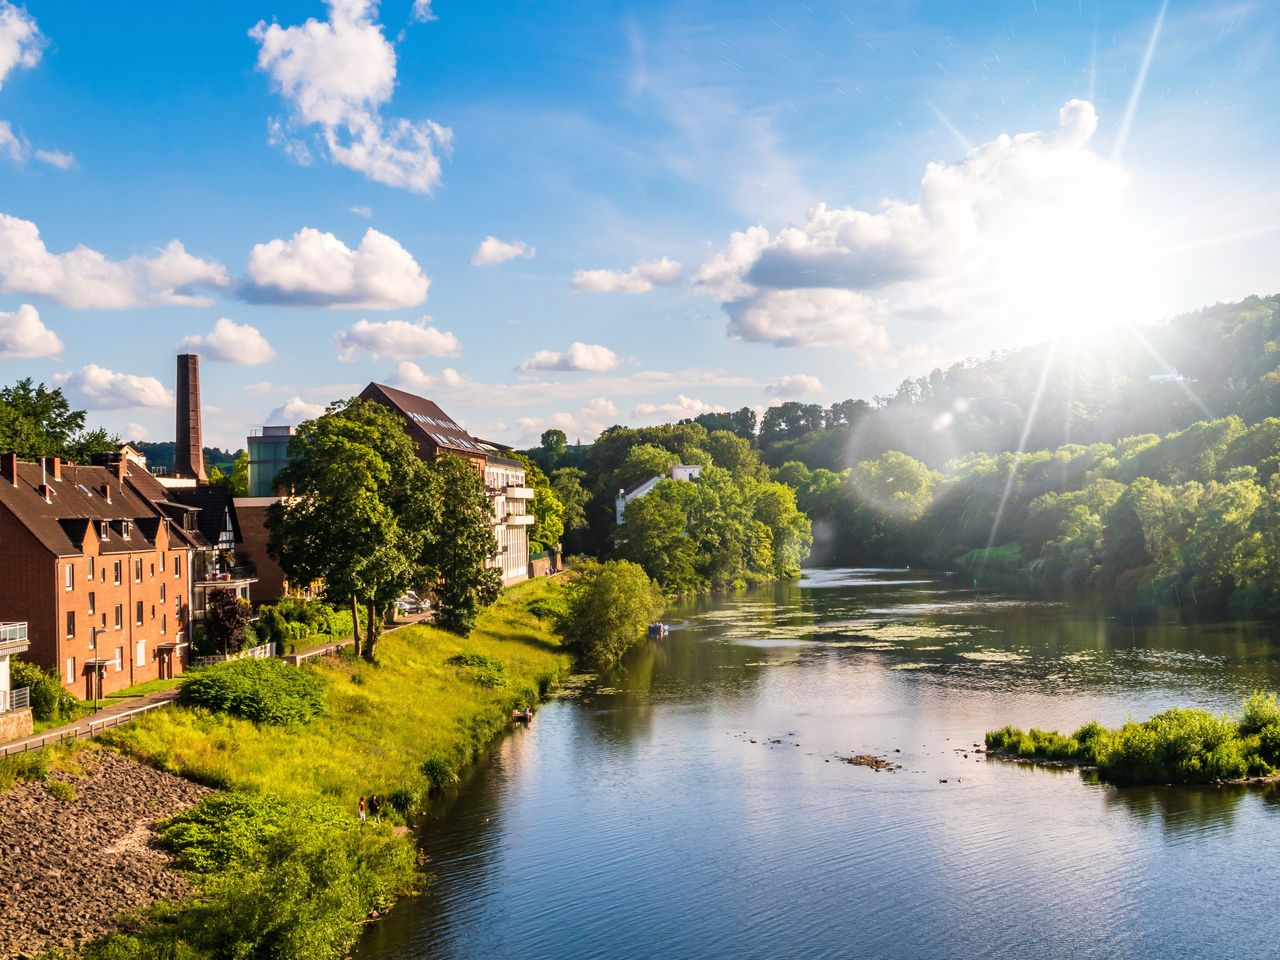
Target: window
x=115 y=571
x=71 y=668
x=91 y=574
x=91 y=602
x=125 y=528
x=119 y=615
x=164 y=623
x=93 y=638
x=162 y=593
x=71 y=576
x=177 y=564
x=162 y=556
x=139 y=611
x=153 y=571
x=71 y=623
x=119 y=658
x=141 y=653
x=104 y=530
x=137 y=571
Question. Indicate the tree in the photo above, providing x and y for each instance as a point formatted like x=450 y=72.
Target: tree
x=458 y=555
x=608 y=609
x=548 y=511
x=567 y=483
x=38 y=422
x=226 y=616
x=554 y=441
x=365 y=513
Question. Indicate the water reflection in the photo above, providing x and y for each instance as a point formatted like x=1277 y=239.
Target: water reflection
x=695 y=804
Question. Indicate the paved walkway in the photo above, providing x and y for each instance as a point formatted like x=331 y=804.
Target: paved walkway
x=93 y=723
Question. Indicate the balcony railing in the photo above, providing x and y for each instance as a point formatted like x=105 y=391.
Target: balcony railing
x=226 y=575
x=520 y=519
x=518 y=493
x=18 y=699
x=13 y=633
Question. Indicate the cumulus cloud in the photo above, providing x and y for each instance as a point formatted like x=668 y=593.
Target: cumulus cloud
x=232 y=342
x=422 y=11
x=317 y=269
x=337 y=75
x=587 y=424
x=641 y=278
x=493 y=251
x=412 y=377
x=21 y=42
x=680 y=408
x=137 y=431
x=56 y=158
x=395 y=338
x=24 y=336
x=791 y=387
x=590 y=357
x=86 y=279
x=293 y=411
x=954 y=253
x=102 y=389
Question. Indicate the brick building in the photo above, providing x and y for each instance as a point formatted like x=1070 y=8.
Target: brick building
x=97 y=562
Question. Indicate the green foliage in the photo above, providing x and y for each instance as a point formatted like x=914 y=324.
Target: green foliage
x=49 y=699
x=233 y=830
x=547 y=508
x=38 y=422
x=459 y=550
x=439 y=772
x=608 y=608
x=226 y=622
x=567 y=484
x=265 y=691
x=1177 y=746
x=295 y=623
x=61 y=790
x=482 y=669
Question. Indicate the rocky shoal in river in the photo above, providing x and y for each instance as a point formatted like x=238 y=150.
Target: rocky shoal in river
x=70 y=868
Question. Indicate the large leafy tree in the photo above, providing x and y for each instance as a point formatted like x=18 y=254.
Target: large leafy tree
x=366 y=511
x=38 y=422
x=608 y=608
x=548 y=511
x=457 y=556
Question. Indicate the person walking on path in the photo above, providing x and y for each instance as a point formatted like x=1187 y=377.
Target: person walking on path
x=375 y=808
x=360 y=807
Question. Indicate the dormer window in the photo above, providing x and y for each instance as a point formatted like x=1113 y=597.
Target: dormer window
x=125 y=528
x=104 y=530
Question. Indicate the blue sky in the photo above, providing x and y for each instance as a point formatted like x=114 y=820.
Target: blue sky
x=692 y=205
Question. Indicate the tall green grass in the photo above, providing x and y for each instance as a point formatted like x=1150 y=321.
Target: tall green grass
x=1176 y=746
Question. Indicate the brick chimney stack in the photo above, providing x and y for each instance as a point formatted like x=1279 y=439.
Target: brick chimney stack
x=188 y=457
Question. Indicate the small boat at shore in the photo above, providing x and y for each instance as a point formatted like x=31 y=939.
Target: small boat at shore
x=659 y=630
x=522 y=716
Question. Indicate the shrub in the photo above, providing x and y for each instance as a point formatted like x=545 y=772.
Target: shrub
x=439 y=772
x=265 y=691
x=483 y=670
x=1261 y=710
x=405 y=802
x=62 y=790
x=1269 y=744
x=608 y=609
x=233 y=830
x=1177 y=746
x=49 y=699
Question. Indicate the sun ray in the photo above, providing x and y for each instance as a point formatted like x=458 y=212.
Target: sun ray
x=1135 y=95
x=1155 y=354
x=960 y=138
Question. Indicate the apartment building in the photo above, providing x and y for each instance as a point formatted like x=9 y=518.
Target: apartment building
x=434 y=432
x=97 y=569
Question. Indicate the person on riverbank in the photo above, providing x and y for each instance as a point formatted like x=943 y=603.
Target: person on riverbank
x=375 y=808
x=360 y=808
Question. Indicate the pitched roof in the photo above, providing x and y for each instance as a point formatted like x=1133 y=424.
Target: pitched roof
x=427 y=422
x=214 y=503
x=75 y=500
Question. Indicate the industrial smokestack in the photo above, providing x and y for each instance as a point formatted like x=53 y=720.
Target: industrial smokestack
x=188 y=456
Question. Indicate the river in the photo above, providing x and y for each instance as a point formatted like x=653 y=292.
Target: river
x=695 y=803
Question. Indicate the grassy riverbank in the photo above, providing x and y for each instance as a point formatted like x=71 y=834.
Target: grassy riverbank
x=1177 y=746
x=286 y=870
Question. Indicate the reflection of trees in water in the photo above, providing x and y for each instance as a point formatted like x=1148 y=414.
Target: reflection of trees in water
x=1184 y=809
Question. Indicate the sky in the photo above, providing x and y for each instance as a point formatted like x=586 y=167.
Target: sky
x=580 y=214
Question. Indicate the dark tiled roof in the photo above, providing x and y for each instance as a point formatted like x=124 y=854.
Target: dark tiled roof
x=213 y=502
x=427 y=422
x=61 y=524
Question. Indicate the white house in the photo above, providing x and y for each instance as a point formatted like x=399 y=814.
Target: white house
x=681 y=471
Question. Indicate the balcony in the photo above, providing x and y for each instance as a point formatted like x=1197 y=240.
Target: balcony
x=520 y=519
x=18 y=699
x=13 y=638
x=229 y=576
x=518 y=493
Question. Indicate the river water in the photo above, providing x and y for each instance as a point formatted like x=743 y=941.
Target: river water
x=695 y=803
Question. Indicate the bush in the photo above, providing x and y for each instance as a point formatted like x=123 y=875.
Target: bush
x=608 y=608
x=62 y=790
x=480 y=669
x=265 y=691
x=49 y=699
x=439 y=772
x=233 y=830
x=1261 y=710
x=405 y=802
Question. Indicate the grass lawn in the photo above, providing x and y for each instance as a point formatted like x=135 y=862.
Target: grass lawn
x=142 y=689
x=381 y=723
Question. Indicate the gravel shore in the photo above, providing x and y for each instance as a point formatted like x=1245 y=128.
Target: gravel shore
x=70 y=867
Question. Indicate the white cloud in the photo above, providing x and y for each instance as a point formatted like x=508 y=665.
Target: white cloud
x=1014 y=209
x=103 y=389
x=798 y=385
x=317 y=269
x=86 y=279
x=361 y=210
x=681 y=408
x=293 y=411
x=337 y=75
x=24 y=336
x=12 y=146
x=589 y=357
x=410 y=376
x=136 y=431
x=422 y=11
x=587 y=424
x=20 y=40
x=641 y=278
x=56 y=158
x=492 y=251
x=395 y=338
x=232 y=342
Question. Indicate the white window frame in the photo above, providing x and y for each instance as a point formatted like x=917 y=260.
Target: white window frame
x=71 y=669
x=70 y=579
x=140 y=653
